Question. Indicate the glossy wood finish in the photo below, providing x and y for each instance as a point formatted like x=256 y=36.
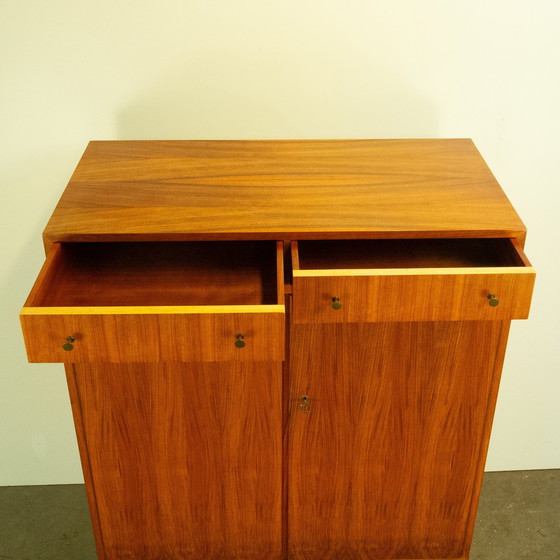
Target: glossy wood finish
x=384 y=465
x=418 y=291
x=185 y=460
x=343 y=254
x=412 y=297
x=94 y=293
x=293 y=189
x=160 y=252
x=160 y=274
x=134 y=336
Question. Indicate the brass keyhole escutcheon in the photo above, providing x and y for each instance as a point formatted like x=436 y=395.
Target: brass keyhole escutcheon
x=69 y=344
x=240 y=341
x=303 y=405
x=336 y=304
x=492 y=300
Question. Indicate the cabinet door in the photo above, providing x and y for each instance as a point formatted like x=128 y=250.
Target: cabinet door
x=386 y=454
x=182 y=461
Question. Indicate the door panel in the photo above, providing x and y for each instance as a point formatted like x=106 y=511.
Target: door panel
x=384 y=463
x=185 y=459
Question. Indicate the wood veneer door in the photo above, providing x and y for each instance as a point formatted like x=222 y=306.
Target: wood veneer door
x=388 y=459
x=183 y=461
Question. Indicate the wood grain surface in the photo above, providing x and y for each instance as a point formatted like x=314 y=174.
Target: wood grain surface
x=455 y=296
x=185 y=460
x=386 y=463
x=157 y=302
x=125 y=335
x=407 y=253
x=160 y=274
x=291 y=189
x=193 y=448
x=410 y=280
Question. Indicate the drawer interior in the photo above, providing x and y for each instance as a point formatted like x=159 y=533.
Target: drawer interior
x=160 y=274
x=406 y=253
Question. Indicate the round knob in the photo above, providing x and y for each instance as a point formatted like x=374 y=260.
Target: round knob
x=240 y=341
x=336 y=303
x=492 y=300
x=68 y=345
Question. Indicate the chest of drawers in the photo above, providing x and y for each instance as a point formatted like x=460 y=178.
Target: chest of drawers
x=281 y=349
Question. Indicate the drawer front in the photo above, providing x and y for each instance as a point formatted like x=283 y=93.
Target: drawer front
x=126 y=335
x=412 y=296
x=151 y=302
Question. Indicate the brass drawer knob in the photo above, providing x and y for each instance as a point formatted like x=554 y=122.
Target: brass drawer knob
x=336 y=304
x=492 y=300
x=69 y=344
x=240 y=341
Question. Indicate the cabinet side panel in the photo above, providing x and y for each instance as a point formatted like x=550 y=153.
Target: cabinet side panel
x=84 y=458
x=385 y=463
x=498 y=364
x=186 y=459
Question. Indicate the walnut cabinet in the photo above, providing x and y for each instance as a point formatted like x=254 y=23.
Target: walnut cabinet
x=281 y=349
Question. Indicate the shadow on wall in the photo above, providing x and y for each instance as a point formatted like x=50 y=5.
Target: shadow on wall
x=236 y=95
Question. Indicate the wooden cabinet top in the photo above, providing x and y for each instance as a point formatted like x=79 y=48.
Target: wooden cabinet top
x=287 y=189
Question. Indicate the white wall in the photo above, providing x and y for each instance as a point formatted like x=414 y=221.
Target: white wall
x=72 y=71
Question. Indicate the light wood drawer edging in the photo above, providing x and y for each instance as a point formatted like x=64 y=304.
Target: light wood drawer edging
x=410 y=271
x=153 y=310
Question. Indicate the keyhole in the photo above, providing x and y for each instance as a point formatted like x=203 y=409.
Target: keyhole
x=304 y=405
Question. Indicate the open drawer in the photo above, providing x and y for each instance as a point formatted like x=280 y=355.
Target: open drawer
x=351 y=281
x=157 y=302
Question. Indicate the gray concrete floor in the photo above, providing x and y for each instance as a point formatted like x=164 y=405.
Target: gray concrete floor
x=518 y=519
